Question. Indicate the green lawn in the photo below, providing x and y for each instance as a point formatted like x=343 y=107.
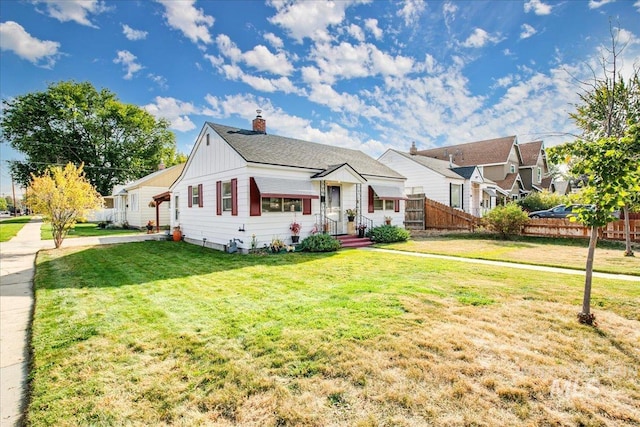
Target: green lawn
x=567 y=253
x=86 y=230
x=10 y=227
x=158 y=333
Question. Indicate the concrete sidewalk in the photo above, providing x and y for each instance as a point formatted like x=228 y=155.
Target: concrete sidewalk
x=17 y=260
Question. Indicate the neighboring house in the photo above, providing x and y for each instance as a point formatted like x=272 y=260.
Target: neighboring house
x=533 y=168
x=245 y=187
x=462 y=188
x=498 y=160
x=132 y=203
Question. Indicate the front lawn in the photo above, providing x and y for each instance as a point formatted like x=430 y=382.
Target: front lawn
x=10 y=227
x=567 y=253
x=158 y=333
x=86 y=229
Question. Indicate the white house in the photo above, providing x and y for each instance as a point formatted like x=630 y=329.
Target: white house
x=132 y=203
x=462 y=188
x=240 y=186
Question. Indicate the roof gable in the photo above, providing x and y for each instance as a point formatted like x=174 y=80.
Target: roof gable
x=487 y=152
x=530 y=152
x=159 y=178
x=439 y=166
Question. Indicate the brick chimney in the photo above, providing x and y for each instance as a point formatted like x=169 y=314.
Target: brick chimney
x=259 y=124
x=413 y=150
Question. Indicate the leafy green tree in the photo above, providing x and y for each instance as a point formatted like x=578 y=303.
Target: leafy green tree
x=606 y=156
x=540 y=200
x=73 y=122
x=62 y=196
x=3 y=204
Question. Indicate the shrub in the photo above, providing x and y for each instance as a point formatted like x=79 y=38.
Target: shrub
x=388 y=234
x=538 y=201
x=506 y=220
x=320 y=243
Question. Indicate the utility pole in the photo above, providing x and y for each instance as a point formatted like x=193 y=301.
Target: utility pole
x=13 y=190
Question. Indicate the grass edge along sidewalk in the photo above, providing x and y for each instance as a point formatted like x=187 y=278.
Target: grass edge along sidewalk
x=165 y=332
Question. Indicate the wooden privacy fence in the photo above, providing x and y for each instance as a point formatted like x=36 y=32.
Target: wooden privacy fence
x=555 y=227
x=443 y=217
x=414 y=212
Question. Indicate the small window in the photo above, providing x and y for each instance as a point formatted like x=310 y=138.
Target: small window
x=539 y=174
x=278 y=204
x=195 y=195
x=382 y=204
x=226 y=196
x=207 y=139
x=456 y=196
x=512 y=168
x=514 y=197
x=177 y=207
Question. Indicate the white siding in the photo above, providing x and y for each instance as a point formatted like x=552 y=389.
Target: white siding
x=434 y=185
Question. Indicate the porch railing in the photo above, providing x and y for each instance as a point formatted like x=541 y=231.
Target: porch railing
x=363 y=220
x=329 y=226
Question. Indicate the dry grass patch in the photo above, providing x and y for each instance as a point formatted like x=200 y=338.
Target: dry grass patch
x=568 y=253
x=357 y=338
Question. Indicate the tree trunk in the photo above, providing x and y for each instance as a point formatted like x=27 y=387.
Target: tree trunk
x=627 y=232
x=585 y=316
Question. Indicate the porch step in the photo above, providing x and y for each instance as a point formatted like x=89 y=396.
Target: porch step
x=349 y=241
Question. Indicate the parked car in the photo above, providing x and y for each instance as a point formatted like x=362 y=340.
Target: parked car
x=560 y=211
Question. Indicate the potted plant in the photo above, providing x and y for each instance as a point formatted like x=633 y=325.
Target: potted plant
x=387 y=220
x=351 y=214
x=361 y=230
x=295 y=231
x=276 y=245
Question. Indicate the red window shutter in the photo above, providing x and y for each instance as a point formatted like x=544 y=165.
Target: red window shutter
x=371 y=199
x=254 y=198
x=306 y=206
x=234 y=196
x=190 y=196
x=200 y=196
x=218 y=197
x=396 y=205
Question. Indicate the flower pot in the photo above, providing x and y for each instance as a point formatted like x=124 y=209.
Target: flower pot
x=351 y=218
x=177 y=234
x=361 y=233
x=295 y=239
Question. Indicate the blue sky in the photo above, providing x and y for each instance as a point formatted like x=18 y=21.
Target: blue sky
x=369 y=75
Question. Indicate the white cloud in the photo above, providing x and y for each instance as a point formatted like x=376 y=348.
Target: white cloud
x=263 y=60
x=174 y=110
x=411 y=11
x=480 y=38
x=356 y=32
x=537 y=7
x=274 y=40
x=159 y=80
x=308 y=19
x=345 y=61
x=13 y=37
x=637 y=5
x=449 y=12
x=74 y=10
x=595 y=4
x=372 y=25
x=128 y=61
x=228 y=48
x=132 y=34
x=183 y=16
x=527 y=31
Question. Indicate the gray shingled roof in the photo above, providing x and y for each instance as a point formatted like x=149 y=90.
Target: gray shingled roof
x=439 y=166
x=256 y=147
x=487 y=152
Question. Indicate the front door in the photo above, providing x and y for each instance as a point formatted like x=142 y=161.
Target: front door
x=334 y=206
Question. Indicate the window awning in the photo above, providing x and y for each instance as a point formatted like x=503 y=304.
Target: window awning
x=286 y=188
x=386 y=192
x=490 y=192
